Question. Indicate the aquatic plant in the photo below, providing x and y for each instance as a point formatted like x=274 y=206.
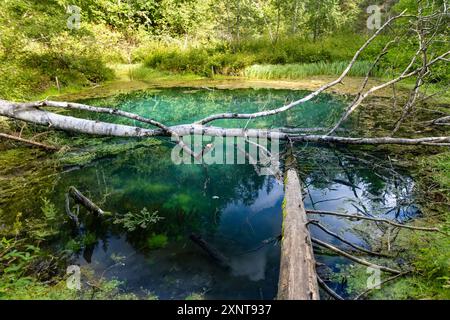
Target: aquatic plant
x=144 y=219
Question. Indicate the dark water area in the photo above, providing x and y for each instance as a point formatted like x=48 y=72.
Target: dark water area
x=232 y=207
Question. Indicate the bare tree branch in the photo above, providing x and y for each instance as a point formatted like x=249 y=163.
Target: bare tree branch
x=353 y=258
x=29 y=142
x=30 y=113
x=345 y=241
x=369 y=92
x=328 y=290
x=360 y=217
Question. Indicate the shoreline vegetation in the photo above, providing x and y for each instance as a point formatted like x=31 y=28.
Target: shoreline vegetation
x=136 y=76
x=119 y=52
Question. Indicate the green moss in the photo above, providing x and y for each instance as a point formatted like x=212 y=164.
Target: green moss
x=195 y=296
x=28 y=288
x=157 y=241
x=181 y=201
x=158 y=188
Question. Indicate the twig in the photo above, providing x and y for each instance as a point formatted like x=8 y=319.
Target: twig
x=30 y=142
x=359 y=217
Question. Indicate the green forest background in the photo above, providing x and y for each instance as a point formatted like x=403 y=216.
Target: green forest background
x=262 y=39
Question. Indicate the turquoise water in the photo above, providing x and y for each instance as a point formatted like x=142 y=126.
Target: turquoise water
x=232 y=207
x=180 y=105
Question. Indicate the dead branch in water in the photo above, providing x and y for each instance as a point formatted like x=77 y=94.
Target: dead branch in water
x=317 y=224
x=328 y=290
x=30 y=113
x=353 y=258
x=73 y=217
x=360 y=217
x=85 y=202
x=29 y=142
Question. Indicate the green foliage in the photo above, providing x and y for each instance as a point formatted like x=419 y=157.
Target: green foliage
x=43 y=228
x=206 y=38
x=195 y=296
x=194 y=60
x=49 y=210
x=430 y=252
x=15 y=258
x=38 y=51
x=326 y=16
x=69 y=68
x=28 y=288
x=440 y=170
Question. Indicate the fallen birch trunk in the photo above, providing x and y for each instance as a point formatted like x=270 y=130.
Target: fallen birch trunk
x=30 y=112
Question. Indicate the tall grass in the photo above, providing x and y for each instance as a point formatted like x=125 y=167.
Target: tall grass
x=300 y=71
x=290 y=57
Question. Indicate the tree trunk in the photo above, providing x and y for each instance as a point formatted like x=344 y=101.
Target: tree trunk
x=32 y=113
x=298 y=280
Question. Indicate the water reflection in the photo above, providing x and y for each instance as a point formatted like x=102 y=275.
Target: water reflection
x=236 y=211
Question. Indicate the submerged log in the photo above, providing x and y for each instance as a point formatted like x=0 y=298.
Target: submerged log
x=85 y=202
x=298 y=280
x=215 y=254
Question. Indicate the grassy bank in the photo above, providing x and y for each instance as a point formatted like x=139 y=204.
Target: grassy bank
x=302 y=71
